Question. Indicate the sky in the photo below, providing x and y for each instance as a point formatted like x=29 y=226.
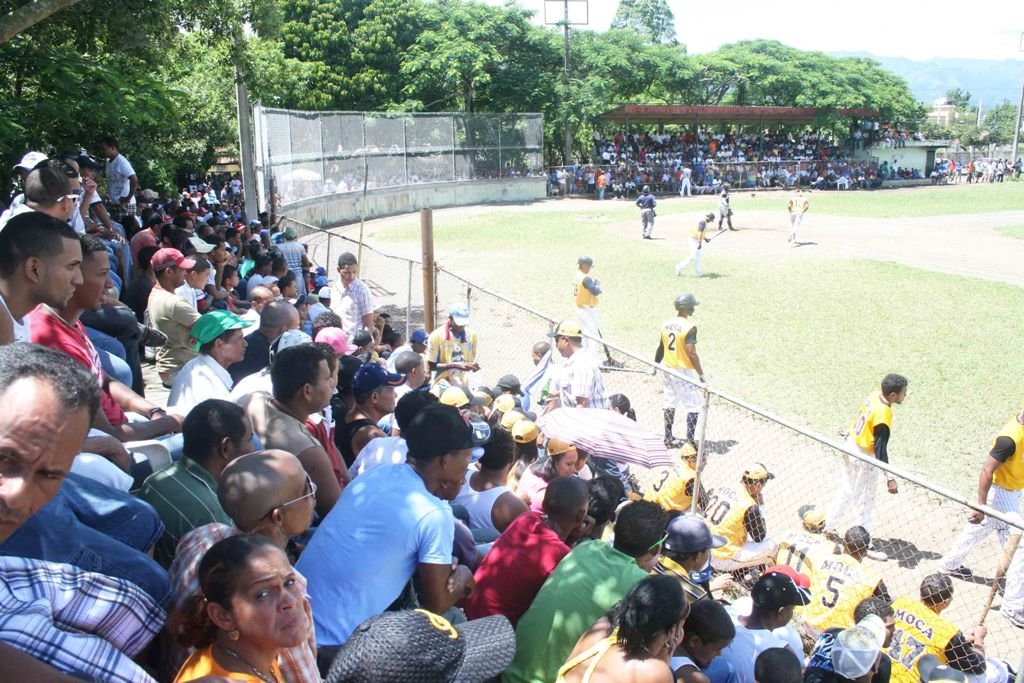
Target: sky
x=884 y=28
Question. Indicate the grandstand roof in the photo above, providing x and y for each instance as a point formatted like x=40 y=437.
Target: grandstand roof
x=698 y=114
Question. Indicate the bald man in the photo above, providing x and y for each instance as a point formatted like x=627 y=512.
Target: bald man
x=259 y=297
x=266 y=493
x=275 y=318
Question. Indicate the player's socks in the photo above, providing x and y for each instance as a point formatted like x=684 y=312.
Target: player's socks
x=691 y=426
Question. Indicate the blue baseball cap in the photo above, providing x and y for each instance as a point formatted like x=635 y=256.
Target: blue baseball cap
x=373 y=376
x=321 y=281
x=418 y=337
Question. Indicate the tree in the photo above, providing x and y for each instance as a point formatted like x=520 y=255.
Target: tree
x=651 y=19
x=21 y=19
x=961 y=99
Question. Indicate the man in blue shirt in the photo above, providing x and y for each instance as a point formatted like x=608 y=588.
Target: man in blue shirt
x=647 y=202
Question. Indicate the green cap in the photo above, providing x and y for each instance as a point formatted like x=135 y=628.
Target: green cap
x=215 y=323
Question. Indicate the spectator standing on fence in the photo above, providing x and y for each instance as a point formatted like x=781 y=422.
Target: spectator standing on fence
x=999 y=486
x=696 y=242
x=580 y=384
x=452 y=349
x=122 y=182
x=350 y=297
x=677 y=352
x=869 y=434
x=724 y=210
x=294 y=252
x=797 y=207
x=585 y=290
x=647 y=202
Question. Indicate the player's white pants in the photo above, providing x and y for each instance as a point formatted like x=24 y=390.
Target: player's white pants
x=684 y=188
x=694 y=256
x=751 y=554
x=794 y=224
x=588 y=326
x=1001 y=499
x=647 y=221
x=856 y=495
x=995 y=672
x=680 y=394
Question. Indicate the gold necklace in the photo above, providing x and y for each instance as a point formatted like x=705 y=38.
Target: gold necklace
x=256 y=672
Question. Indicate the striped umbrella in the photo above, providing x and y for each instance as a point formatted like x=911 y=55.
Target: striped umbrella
x=606 y=434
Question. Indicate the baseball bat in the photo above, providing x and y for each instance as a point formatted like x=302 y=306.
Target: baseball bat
x=1004 y=564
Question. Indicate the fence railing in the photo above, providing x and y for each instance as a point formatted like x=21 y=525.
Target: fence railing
x=915 y=527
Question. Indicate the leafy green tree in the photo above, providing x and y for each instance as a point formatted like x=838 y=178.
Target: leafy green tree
x=959 y=98
x=651 y=19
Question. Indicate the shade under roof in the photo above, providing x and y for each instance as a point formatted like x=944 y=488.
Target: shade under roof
x=692 y=115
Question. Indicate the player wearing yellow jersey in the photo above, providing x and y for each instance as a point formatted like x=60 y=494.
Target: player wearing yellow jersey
x=736 y=515
x=806 y=549
x=797 y=208
x=921 y=630
x=677 y=352
x=585 y=291
x=697 y=240
x=452 y=349
x=841 y=582
x=672 y=488
x=999 y=486
x=869 y=435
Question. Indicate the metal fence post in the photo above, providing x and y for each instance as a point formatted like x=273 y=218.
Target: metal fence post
x=700 y=451
x=408 y=304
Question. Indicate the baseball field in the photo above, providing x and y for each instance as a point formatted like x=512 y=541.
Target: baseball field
x=926 y=282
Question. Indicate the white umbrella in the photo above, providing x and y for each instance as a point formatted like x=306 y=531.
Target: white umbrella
x=606 y=434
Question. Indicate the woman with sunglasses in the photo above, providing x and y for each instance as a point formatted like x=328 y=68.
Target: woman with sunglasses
x=634 y=640
x=251 y=607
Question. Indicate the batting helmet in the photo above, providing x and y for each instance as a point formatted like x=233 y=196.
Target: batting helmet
x=686 y=301
x=710 y=215
x=647 y=188
x=584 y=261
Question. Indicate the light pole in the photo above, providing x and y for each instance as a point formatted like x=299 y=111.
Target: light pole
x=1020 y=109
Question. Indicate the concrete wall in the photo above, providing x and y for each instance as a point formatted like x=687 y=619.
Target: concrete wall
x=331 y=210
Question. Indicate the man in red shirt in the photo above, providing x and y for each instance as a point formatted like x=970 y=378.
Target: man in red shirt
x=61 y=329
x=528 y=551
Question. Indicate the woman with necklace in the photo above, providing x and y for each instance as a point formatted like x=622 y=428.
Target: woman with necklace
x=250 y=608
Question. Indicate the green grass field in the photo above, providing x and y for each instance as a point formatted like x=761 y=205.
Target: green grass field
x=806 y=339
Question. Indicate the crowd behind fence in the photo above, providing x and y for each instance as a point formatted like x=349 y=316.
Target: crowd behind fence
x=915 y=528
x=316 y=153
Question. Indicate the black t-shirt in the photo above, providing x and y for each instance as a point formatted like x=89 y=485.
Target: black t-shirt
x=257 y=357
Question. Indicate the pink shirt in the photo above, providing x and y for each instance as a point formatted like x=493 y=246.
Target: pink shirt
x=532 y=488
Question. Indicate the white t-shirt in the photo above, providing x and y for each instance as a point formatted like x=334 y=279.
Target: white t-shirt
x=118 y=173
x=749 y=643
x=352 y=574
x=200 y=379
x=380 y=450
x=21 y=331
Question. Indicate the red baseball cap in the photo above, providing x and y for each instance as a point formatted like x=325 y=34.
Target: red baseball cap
x=801 y=580
x=165 y=258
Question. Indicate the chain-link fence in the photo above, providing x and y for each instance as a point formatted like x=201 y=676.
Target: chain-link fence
x=309 y=154
x=914 y=527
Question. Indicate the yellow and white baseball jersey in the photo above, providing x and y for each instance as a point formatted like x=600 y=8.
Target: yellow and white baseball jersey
x=873 y=412
x=837 y=587
x=798 y=205
x=698 y=231
x=582 y=296
x=918 y=631
x=1010 y=474
x=673 y=342
x=804 y=551
x=672 y=489
x=726 y=509
x=445 y=347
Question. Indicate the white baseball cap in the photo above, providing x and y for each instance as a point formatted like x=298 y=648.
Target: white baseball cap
x=31 y=160
x=200 y=245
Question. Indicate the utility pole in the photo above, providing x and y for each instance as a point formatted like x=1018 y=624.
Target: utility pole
x=1020 y=110
x=567 y=148
x=244 y=131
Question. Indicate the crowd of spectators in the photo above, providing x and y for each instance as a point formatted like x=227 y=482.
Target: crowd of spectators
x=322 y=498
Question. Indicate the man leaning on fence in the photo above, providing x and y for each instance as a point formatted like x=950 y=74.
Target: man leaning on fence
x=350 y=297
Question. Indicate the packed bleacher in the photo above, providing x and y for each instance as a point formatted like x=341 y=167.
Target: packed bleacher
x=220 y=460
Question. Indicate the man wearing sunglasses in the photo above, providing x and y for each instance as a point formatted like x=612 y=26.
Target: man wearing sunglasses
x=266 y=493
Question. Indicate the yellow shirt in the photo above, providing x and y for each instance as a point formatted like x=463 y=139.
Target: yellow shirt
x=726 y=508
x=583 y=296
x=798 y=204
x=445 y=347
x=673 y=342
x=873 y=411
x=804 y=551
x=1010 y=474
x=698 y=231
x=919 y=631
x=837 y=587
x=201 y=663
x=669 y=488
